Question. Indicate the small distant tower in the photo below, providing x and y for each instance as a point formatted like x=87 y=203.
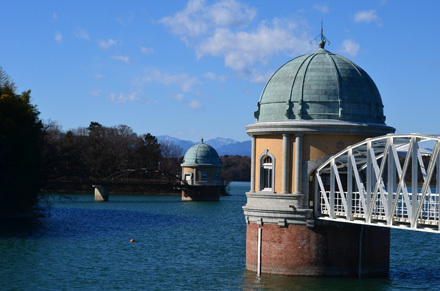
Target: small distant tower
x=201 y=174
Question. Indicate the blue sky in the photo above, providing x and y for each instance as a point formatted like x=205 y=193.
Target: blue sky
x=193 y=69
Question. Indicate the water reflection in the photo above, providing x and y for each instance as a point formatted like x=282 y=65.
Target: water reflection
x=276 y=282
x=21 y=227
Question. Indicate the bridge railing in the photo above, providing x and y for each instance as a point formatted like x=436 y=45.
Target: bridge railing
x=389 y=180
x=428 y=216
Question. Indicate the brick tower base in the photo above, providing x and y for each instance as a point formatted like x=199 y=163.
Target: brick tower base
x=201 y=193
x=333 y=249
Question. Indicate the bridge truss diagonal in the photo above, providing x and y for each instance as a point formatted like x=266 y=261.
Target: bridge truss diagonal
x=390 y=181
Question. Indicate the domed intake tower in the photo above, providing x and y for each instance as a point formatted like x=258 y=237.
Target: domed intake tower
x=201 y=172
x=312 y=107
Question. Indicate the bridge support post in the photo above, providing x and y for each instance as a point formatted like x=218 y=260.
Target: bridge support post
x=101 y=192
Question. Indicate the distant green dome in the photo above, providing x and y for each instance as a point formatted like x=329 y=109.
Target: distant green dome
x=320 y=86
x=201 y=155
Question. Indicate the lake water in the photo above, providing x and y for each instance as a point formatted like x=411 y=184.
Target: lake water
x=85 y=245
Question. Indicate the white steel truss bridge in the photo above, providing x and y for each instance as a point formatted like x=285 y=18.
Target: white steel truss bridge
x=391 y=181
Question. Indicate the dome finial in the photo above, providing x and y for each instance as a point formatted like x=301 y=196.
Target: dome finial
x=201 y=140
x=323 y=40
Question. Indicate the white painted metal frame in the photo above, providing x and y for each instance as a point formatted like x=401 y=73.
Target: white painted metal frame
x=365 y=183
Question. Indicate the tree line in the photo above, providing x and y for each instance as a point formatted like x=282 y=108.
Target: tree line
x=34 y=154
x=236 y=168
x=99 y=152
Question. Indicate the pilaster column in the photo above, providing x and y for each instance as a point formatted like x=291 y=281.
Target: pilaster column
x=195 y=177
x=298 y=162
x=286 y=163
x=253 y=153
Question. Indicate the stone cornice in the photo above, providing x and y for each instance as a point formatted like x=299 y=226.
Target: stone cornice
x=318 y=127
x=189 y=165
x=281 y=209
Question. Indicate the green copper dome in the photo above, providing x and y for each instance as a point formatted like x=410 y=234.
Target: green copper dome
x=320 y=86
x=201 y=155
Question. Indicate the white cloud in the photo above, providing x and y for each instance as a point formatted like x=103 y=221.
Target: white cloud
x=367 y=16
x=349 y=47
x=198 y=18
x=95 y=92
x=126 y=19
x=231 y=13
x=180 y=97
x=323 y=8
x=124 y=98
x=81 y=33
x=124 y=59
x=261 y=78
x=147 y=50
x=194 y=104
x=99 y=76
x=223 y=30
x=241 y=49
x=215 y=77
x=183 y=80
x=58 y=37
x=106 y=44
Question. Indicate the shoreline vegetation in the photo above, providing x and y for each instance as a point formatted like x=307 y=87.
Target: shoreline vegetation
x=39 y=157
x=153 y=191
x=148 y=189
x=116 y=156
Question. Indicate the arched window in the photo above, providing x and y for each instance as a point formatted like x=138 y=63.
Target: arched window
x=267 y=175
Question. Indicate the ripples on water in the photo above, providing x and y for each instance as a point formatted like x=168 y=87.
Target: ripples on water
x=82 y=244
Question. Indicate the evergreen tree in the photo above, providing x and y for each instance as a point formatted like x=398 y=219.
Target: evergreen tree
x=20 y=132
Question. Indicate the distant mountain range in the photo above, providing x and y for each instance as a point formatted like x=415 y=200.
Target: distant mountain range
x=227 y=146
x=223 y=146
